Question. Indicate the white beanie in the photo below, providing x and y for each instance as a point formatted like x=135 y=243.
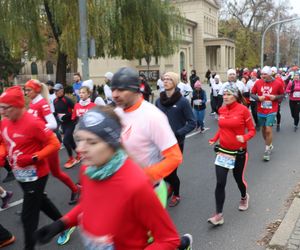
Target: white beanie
x=88 y=83
x=274 y=70
x=109 y=75
x=267 y=70
x=231 y=71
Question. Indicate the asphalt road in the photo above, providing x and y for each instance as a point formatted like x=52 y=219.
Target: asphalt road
x=269 y=185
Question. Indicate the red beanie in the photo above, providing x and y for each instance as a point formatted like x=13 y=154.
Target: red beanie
x=34 y=84
x=13 y=96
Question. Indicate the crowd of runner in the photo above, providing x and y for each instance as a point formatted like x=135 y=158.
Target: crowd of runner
x=121 y=136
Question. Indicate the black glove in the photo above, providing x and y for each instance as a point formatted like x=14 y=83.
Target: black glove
x=46 y=233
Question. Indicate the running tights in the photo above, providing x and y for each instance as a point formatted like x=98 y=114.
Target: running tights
x=238 y=173
x=295 y=110
x=54 y=165
x=68 y=140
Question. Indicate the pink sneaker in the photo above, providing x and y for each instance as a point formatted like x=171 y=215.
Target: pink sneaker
x=216 y=219
x=244 y=203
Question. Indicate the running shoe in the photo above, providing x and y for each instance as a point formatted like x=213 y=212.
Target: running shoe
x=216 y=219
x=186 y=242
x=78 y=157
x=8 y=241
x=64 y=237
x=244 y=203
x=267 y=155
x=71 y=162
x=74 y=197
x=9 y=177
x=174 y=201
x=6 y=199
x=212 y=113
x=203 y=130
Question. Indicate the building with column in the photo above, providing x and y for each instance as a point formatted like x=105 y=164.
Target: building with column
x=200 y=49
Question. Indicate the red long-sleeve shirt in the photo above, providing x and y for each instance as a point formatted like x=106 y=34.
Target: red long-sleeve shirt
x=121 y=210
x=234 y=119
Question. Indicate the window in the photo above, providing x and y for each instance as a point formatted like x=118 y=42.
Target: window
x=34 y=68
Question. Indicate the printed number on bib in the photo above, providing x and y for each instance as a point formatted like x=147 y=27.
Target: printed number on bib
x=197 y=102
x=296 y=94
x=26 y=174
x=266 y=104
x=225 y=160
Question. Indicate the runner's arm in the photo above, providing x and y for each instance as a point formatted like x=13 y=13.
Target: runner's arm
x=216 y=137
x=250 y=126
x=172 y=157
x=51 y=145
x=51 y=121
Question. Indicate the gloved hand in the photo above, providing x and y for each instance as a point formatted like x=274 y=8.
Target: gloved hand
x=24 y=160
x=46 y=233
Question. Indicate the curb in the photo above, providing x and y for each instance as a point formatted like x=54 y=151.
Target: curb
x=284 y=232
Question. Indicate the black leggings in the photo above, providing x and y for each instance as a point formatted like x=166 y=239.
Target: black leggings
x=34 y=201
x=68 y=140
x=253 y=106
x=173 y=178
x=238 y=173
x=295 y=110
x=278 y=115
x=4 y=234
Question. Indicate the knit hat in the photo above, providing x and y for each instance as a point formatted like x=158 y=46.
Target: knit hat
x=13 y=96
x=109 y=75
x=50 y=83
x=88 y=83
x=126 y=79
x=34 y=84
x=174 y=76
x=101 y=124
x=274 y=70
x=231 y=71
x=266 y=70
x=231 y=89
x=197 y=84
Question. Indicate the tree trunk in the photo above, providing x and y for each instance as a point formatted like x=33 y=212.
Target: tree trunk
x=61 y=69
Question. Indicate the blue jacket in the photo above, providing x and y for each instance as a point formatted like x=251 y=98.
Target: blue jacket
x=179 y=113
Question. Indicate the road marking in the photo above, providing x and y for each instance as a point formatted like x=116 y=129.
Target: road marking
x=13 y=204
x=192 y=134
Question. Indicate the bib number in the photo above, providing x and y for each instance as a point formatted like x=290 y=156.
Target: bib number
x=266 y=104
x=225 y=160
x=197 y=102
x=26 y=174
x=296 y=94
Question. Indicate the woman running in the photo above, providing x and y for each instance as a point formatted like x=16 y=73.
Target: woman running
x=232 y=150
x=110 y=219
x=293 y=90
x=39 y=107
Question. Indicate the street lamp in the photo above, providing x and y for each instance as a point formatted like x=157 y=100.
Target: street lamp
x=263 y=37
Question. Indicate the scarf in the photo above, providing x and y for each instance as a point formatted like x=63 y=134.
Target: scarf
x=170 y=101
x=85 y=102
x=109 y=168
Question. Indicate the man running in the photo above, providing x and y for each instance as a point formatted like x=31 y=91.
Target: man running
x=268 y=92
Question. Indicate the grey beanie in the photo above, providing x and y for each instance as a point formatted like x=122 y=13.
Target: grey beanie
x=101 y=124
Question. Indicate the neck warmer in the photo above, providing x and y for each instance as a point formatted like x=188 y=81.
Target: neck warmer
x=85 y=103
x=170 y=101
x=109 y=168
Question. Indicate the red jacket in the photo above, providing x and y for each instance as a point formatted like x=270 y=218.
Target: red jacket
x=234 y=119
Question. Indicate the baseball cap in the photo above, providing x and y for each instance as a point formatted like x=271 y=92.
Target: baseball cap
x=58 y=86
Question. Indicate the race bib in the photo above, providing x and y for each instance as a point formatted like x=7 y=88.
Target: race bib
x=225 y=160
x=26 y=174
x=266 y=104
x=97 y=243
x=197 y=102
x=296 y=94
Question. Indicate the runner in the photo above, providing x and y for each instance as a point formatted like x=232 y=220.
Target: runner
x=28 y=144
x=293 y=90
x=146 y=134
x=232 y=80
x=37 y=92
x=111 y=219
x=106 y=88
x=181 y=119
x=253 y=103
x=216 y=85
x=267 y=92
x=63 y=112
x=84 y=103
x=232 y=151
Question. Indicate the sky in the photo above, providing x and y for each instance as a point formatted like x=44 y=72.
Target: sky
x=296 y=6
